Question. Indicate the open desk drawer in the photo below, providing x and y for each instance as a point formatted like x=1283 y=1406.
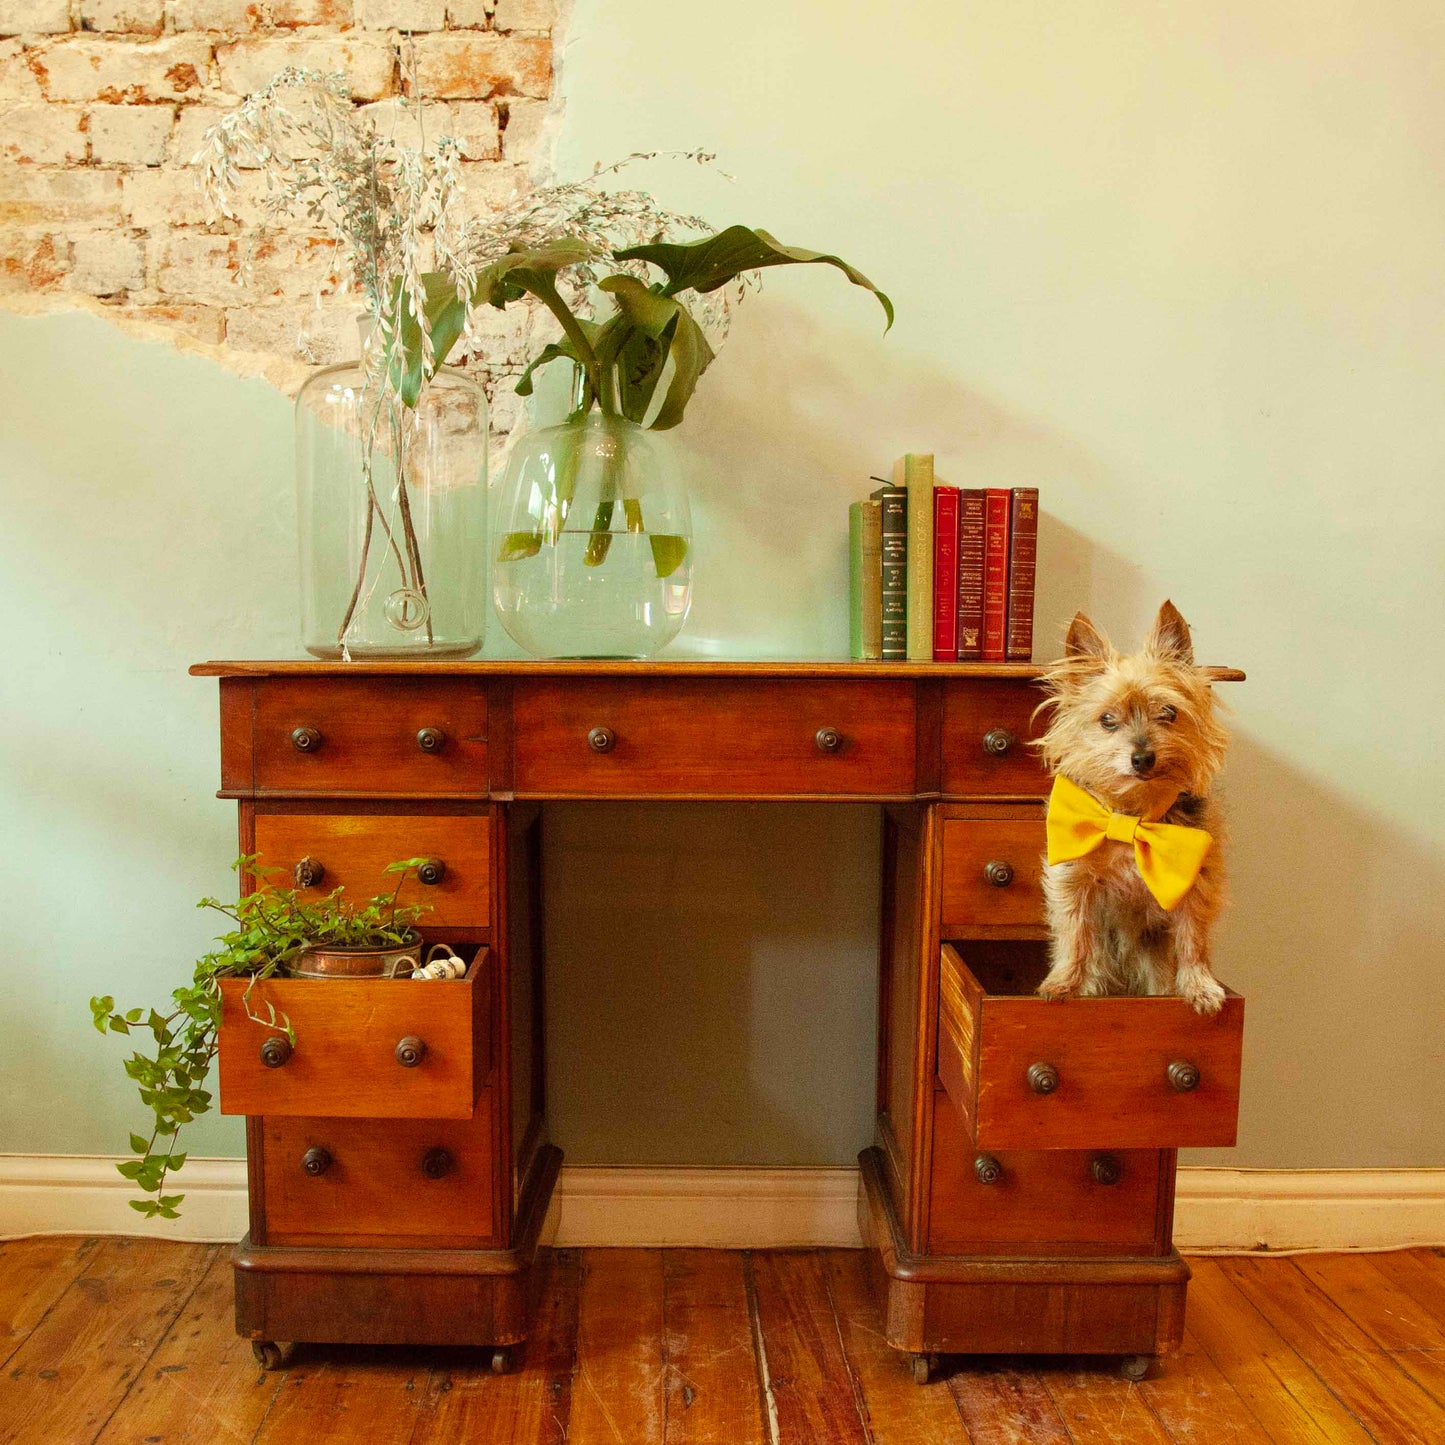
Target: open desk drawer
x=1089 y=1073
x=356 y=1053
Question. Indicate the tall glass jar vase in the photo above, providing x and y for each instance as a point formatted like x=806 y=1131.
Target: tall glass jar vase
x=594 y=541
x=392 y=507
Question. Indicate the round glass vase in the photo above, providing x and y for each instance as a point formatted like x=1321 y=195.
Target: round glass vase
x=594 y=541
x=392 y=511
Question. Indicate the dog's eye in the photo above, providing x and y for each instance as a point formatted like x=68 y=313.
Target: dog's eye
x=1168 y=714
x=1108 y=722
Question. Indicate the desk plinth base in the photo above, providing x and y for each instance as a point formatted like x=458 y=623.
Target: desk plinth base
x=397 y=1296
x=986 y=1305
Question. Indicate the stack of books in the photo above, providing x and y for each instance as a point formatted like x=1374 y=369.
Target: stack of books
x=940 y=573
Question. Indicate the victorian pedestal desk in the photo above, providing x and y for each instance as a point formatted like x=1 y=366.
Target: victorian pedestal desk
x=1019 y=1193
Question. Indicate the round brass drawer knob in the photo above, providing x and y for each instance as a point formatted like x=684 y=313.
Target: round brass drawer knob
x=1043 y=1078
x=431 y=740
x=437 y=1163
x=829 y=740
x=987 y=1169
x=997 y=741
x=306 y=740
x=998 y=873
x=309 y=872
x=275 y=1051
x=431 y=871
x=1183 y=1076
x=316 y=1161
x=601 y=740
x=1106 y=1169
x=410 y=1051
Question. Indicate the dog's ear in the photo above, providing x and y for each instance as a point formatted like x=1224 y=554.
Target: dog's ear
x=1169 y=640
x=1085 y=643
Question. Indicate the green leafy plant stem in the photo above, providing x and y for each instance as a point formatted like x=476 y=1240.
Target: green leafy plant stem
x=270 y=927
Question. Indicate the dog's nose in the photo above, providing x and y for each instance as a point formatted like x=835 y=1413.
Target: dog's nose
x=1143 y=760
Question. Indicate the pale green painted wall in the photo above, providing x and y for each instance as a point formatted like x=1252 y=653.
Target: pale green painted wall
x=1192 y=292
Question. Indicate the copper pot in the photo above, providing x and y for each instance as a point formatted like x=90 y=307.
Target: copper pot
x=357 y=962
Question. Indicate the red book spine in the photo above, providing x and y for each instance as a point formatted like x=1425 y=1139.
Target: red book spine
x=945 y=574
x=1023 y=552
x=995 y=573
x=970 y=574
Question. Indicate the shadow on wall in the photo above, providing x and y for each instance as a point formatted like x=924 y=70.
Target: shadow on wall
x=784 y=432
x=1331 y=993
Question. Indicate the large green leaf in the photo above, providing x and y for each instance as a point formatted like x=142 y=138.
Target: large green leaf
x=715 y=260
x=444 y=313
x=691 y=356
x=640 y=364
x=666 y=323
x=533 y=270
x=647 y=308
x=640 y=340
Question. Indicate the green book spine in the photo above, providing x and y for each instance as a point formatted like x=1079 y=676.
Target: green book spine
x=893 y=609
x=915 y=473
x=855 y=581
x=872 y=580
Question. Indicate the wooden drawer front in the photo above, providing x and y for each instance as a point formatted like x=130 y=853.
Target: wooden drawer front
x=714 y=739
x=344 y=1062
x=367 y=736
x=992 y=872
x=978 y=718
x=355 y=848
x=373 y=1190
x=1111 y=1058
x=1041 y=1200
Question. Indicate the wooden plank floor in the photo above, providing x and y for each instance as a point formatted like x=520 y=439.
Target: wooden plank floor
x=129 y=1342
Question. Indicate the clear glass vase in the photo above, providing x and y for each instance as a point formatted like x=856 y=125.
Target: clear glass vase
x=392 y=507
x=594 y=541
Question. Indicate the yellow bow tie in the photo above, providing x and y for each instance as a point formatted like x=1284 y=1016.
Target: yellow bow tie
x=1168 y=855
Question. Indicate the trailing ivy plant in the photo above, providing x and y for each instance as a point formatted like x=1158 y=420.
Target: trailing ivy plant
x=271 y=927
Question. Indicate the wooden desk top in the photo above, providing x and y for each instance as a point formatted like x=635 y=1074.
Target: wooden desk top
x=594 y=667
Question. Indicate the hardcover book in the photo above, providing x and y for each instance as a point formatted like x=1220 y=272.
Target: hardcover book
x=970 y=574
x=893 y=528
x=945 y=573
x=997 y=508
x=865 y=580
x=914 y=473
x=1023 y=551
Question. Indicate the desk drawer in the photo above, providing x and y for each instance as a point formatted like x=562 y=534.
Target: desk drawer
x=1040 y=1202
x=1088 y=1073
x=345 y=1062
x=986 y=728
x=714 y=738
x=354 y=849
x=992 y=872
x=389 y=737
x=367 y=1183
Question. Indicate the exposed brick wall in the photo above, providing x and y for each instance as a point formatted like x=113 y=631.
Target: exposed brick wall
x=104 y=102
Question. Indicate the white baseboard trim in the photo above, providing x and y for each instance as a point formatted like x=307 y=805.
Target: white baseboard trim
x=1217 y=1210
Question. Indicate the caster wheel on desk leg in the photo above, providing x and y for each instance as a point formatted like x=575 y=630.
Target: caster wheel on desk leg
x=923 y=1368
x=501 y=1360
x=271 y=1356
x=1135 y=1367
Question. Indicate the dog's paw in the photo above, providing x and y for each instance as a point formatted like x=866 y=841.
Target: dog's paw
x=1203 y=993
x=1054 y=989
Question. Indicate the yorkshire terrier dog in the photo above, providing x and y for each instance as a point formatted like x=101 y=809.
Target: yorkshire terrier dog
x=1135 y=876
